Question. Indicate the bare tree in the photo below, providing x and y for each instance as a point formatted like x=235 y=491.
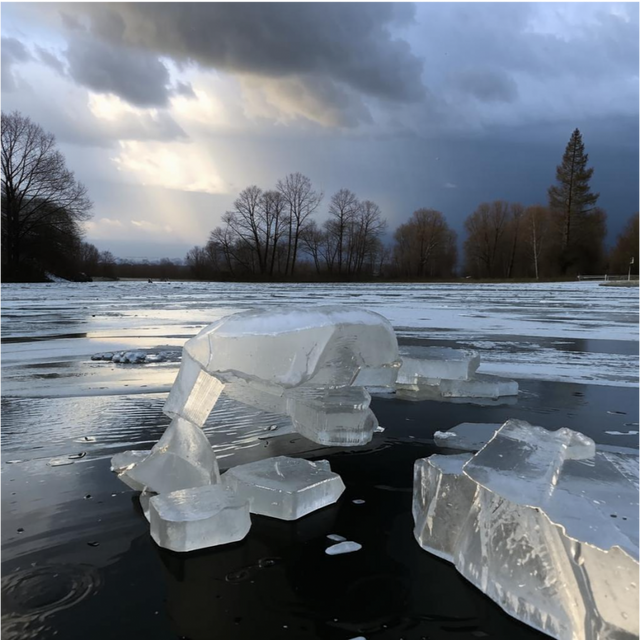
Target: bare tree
x=302 y=201
x=38 y=191
x=245 y=221
x=425 y=245
x=484 y=246
x=342 y=211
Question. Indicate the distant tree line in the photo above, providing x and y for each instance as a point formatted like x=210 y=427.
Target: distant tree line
x=274 y=233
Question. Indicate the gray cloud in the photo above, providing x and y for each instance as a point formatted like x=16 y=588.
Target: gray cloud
x=50 y=60
x=486 y=85
x=136 y=76
x=13 y=52
x=184 y=89
x=347 y=49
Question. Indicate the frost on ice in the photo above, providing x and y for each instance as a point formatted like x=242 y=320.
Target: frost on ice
x=542 y=522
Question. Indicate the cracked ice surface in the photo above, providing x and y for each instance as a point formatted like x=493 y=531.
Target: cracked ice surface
x=543 y=524
x=283 y=487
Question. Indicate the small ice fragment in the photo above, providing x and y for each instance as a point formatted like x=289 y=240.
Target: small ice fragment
x=126 y=459
x=333 y=417
x=86 y=439
x=436 y=363
x=378 y=429
x=480 y=386
x=622 y=433
x=198 y=518
x=77 y=456
x=59 y=462
x=342 y=547
x=358 y=501
x=181 y=459
x=285 y=488
x=336 y=538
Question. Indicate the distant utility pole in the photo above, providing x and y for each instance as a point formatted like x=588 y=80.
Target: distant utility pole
x=629 y=274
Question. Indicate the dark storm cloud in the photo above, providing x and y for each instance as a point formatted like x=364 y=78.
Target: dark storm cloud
x=487 y=85
x=13 y=52
x=351 y=44
x=136 y=76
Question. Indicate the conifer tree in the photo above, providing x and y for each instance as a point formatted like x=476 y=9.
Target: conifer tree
x=571 y=198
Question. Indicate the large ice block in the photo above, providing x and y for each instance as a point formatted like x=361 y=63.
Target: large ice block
x=291 y=346
x=427 y=365
x=182 y=458
x=551 y=532
x=198 y=518
x=285 y=488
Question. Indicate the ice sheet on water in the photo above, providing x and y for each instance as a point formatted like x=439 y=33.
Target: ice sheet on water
x=422 y=364
x=285 y=488
x=198 y=518
x=182 y=458
x=550 y=532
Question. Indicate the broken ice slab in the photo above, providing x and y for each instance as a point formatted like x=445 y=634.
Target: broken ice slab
x=291 y=346
x=194 y=392
x=333 y=417
x=436 y=363
x=480 y=386
x=198 y=518
x=551 y=532
x=380 y=379
x=182 y=458
x=285 y=488
x=441 y=501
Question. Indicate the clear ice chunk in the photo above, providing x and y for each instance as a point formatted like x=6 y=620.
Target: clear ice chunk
x=198 y=518
x=333 y=417
x=182 y=458
x=467 y=436
x=122 y=461
x=550 y=533
x=289 y=347
x=194 y=392
x=285 y=488
x=426 y=365
x=480 y=386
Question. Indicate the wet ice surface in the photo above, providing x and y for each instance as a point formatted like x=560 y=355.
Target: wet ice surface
x=567 y=331
x=58 y=403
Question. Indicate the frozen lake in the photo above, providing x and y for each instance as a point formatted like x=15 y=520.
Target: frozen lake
x=71 y=532
x=573 y=332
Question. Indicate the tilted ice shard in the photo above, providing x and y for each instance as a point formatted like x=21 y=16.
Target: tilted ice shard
x=285 y=488
x=182 y=458
x=550 y=532
x=436 y=363
x=198 y=518
x=480 y=386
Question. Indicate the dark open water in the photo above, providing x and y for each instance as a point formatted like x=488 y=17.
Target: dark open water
x=82 y=567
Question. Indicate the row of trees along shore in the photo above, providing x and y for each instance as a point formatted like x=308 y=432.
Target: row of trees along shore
x=272 y=235
x=276 y=234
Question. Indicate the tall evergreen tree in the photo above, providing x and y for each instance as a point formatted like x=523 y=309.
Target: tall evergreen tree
x=571 y=198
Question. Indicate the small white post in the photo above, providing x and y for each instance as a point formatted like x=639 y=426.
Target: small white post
x=629 y=274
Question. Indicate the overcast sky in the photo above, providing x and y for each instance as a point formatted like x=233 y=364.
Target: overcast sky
x=166 y=111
